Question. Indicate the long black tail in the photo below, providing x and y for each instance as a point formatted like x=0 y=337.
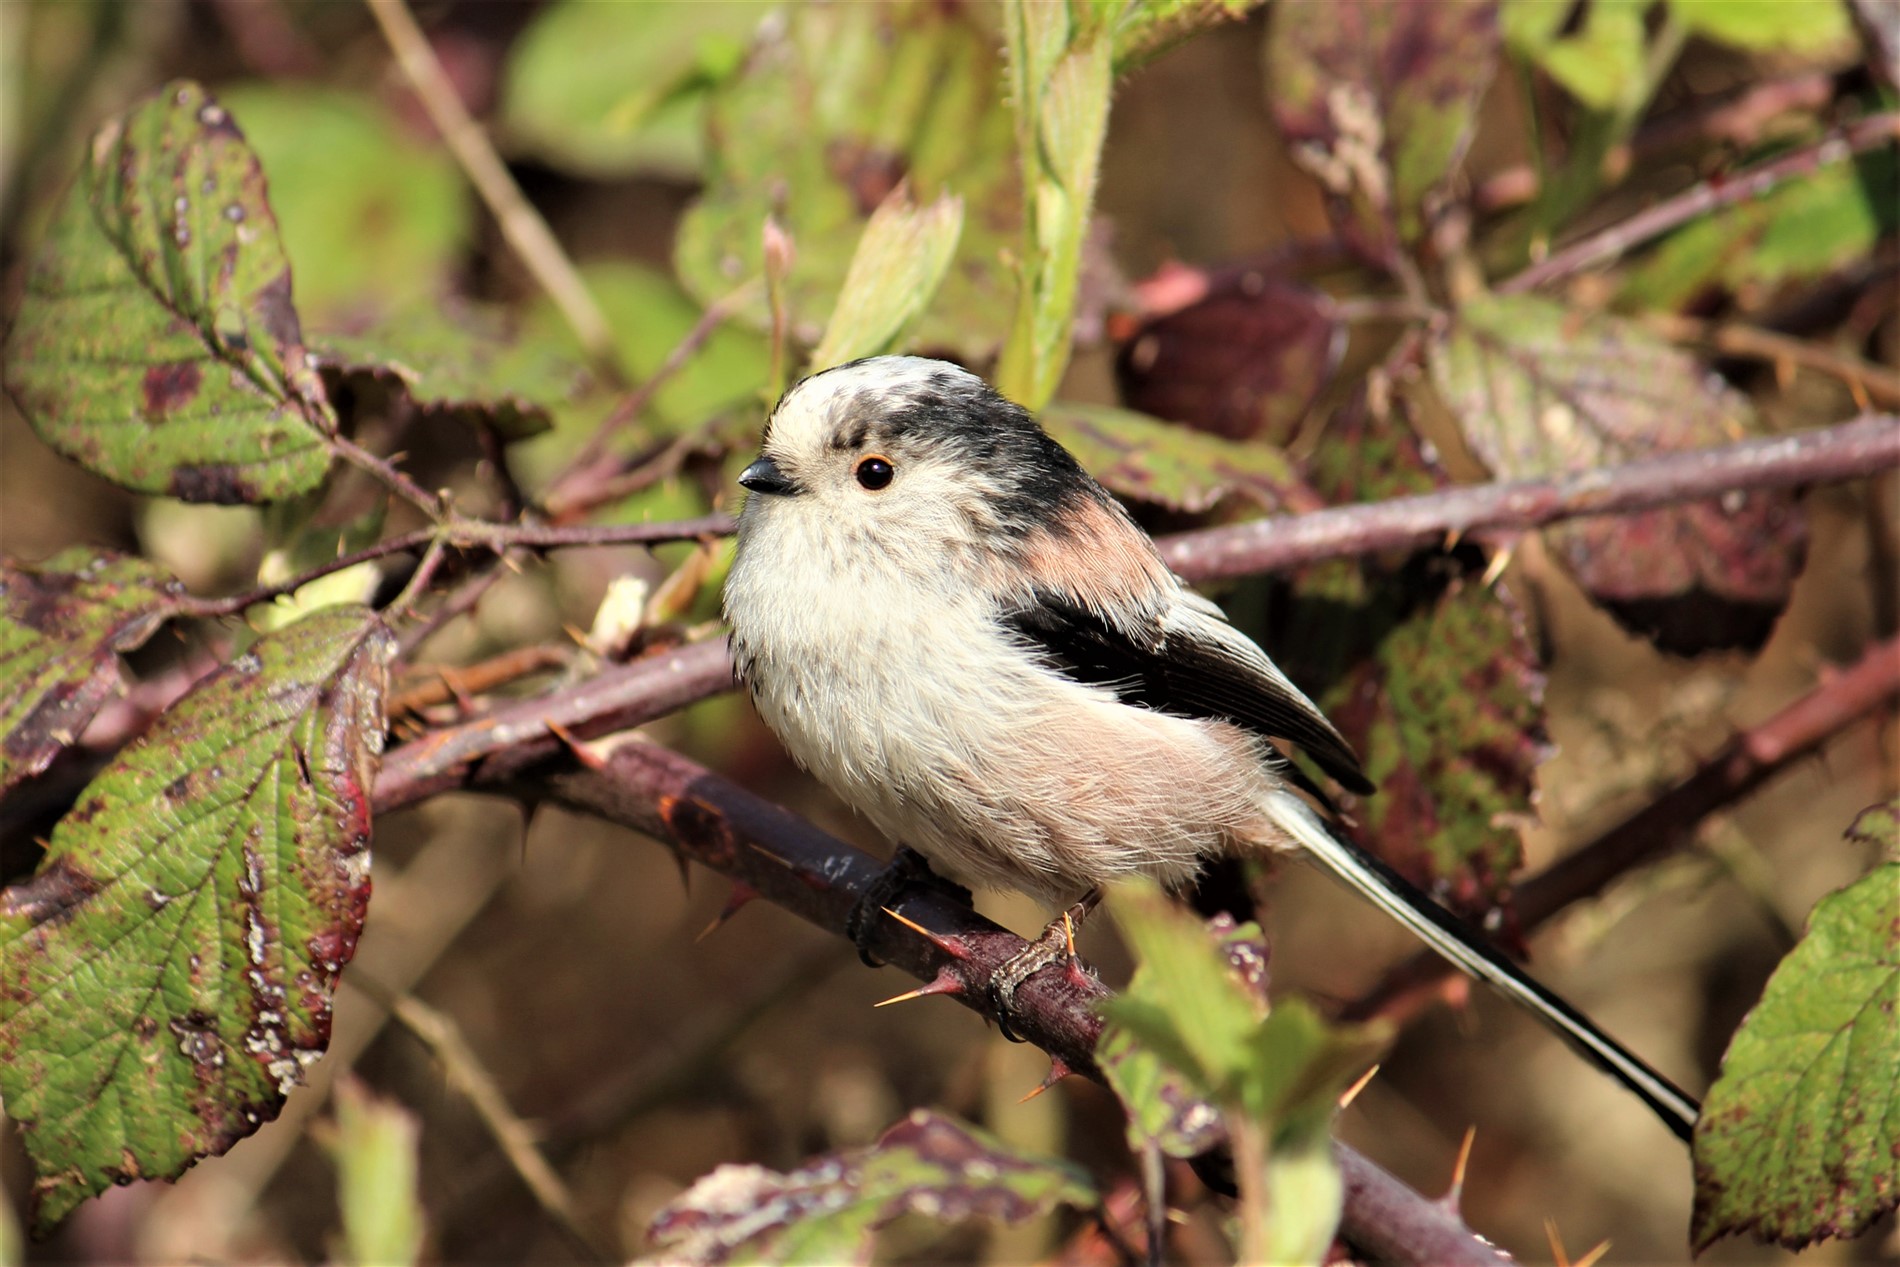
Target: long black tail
x=1446 y=934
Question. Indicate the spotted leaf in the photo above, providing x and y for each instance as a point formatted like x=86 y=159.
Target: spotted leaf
x=165 y=979
x=62 y=626
x=156 y=344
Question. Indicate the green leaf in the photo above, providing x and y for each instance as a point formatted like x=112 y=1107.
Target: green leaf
x=619 y=89
x=825 y=1211
x=1541 y=390
x=374 y=1148
x=1601 y=64
x=1186 y=1005
x=900 y=261
x=374 y=218
x=1196 y=1011
x=168 y=972
x=157 y=345
x=1166 y=1106
x=1796 y=1139
x=1153 y=461
x=62 y=625
x=1377 y=98
x=835 y=107
x=1797 y=231
x=1877 y=828
x=463 y=361
x=1061 y=72
x=1797 y=26
x=1148 y=28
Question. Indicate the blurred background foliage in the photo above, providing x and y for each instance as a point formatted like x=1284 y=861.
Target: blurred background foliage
x=1287 y=297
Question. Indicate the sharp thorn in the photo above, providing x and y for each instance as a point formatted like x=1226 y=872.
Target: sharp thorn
x=946 y=982
x=1058 y=1070
x=582 y=754
x=951 y=946
x=763 y=852
x=736 y=901
x=1359 y=1084
x=1455 y=1193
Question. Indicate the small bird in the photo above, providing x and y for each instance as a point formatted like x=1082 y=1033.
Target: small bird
x=954 y=627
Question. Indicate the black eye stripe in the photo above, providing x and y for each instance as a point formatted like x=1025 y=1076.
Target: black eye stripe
x=875 y=471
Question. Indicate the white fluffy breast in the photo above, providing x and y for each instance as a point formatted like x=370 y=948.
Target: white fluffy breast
x=900 y=691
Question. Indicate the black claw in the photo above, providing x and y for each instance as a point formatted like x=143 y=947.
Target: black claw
x=906 y=869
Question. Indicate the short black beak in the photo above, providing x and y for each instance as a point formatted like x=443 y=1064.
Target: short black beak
x=763 y=476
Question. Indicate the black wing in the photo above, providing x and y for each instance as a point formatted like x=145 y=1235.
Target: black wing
x=1184 y=672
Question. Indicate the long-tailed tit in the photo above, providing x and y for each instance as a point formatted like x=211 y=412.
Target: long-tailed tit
x=955 y=628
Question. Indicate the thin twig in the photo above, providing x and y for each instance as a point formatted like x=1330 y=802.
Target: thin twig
x=1749 y=760
x=1850 y=450
x=439 y=1033
x=388 y=474
x=1733 y=338
x=1706 y=196
x=563 y=496
x=235 y=603
x=516 y=736
x=521 y=224
x=533 y=536
x=606 y=702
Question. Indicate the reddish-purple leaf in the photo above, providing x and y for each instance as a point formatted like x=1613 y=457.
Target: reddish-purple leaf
x=1433 y=678
x=1542 y=390
x=62 y=625
x=1245 y=362
x=825 y=1211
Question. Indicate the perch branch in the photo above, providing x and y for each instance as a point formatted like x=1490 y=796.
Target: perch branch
x=1704 y=197
x=521 y=224
x=1744 y=764
x=771 y=852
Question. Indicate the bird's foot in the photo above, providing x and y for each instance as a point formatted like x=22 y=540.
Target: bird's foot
x=906 y=869
x=1056 y=945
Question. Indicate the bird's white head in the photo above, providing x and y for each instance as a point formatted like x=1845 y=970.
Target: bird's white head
x=908 y=457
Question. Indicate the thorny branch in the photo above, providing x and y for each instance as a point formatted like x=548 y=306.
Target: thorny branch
x=769 y=852
x=1668 y=822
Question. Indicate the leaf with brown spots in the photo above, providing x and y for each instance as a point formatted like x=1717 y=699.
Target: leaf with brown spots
x=166 y=978
x=826 y=1210
x=156 y=344
x=62 y=625
x=1797 y=1140
x=1542 y=390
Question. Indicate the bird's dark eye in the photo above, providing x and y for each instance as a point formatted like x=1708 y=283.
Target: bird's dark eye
x=875 y=472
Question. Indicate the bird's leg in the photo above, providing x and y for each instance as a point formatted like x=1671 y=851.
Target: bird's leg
x=1056 y=945
x=907 y=868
